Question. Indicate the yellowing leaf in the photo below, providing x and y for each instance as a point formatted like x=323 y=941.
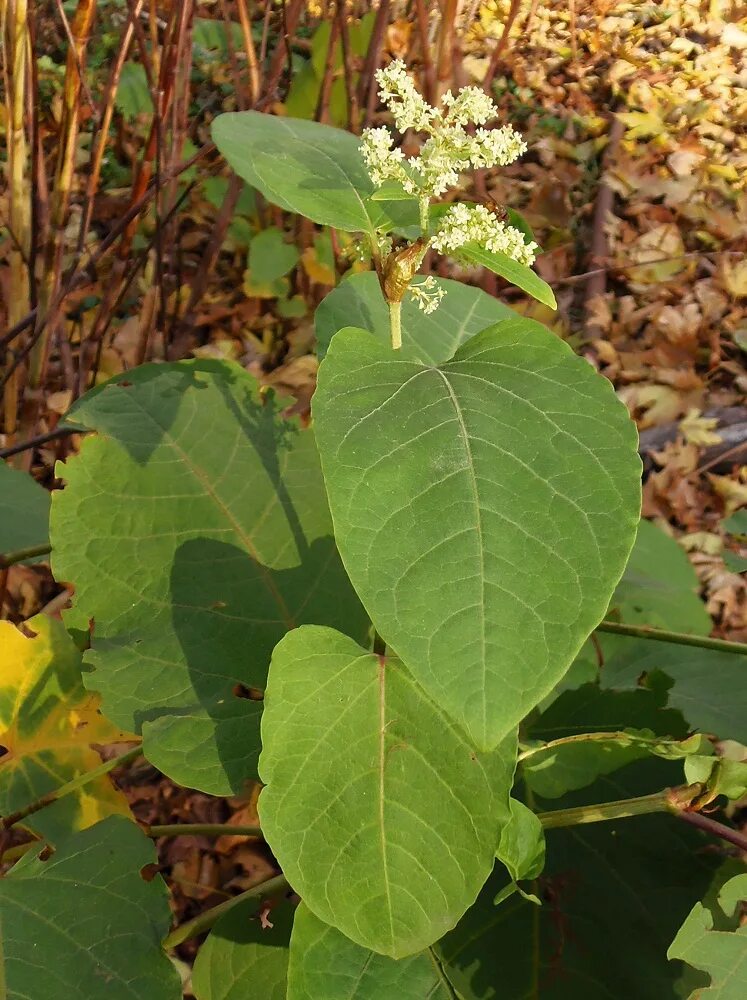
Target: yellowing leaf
x=733 y=494
x=642 y=124
x=734 y=278
x=317 y=269
x=661 y=249
x=48 y=722
x=698 y=429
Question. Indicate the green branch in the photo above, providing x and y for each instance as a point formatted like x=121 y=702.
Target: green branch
x=203 y=830
x=598 y=813
x=11 y=558
x=204 y=921
x=679 y=638
x=71 y=786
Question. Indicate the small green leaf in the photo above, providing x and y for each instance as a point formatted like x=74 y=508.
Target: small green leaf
x=712 y=940
x=244 y=960
x=195 y=528
x=522 y=846
x=270 y=257
x=132 y=97
x=326 y=965
x=302 y=166
x=381 y=814
x=85 y=923
x=720 y=775
x=484 y=509
x=518 y=274
x=24 y=511
x=432 y=338
x=211 y=35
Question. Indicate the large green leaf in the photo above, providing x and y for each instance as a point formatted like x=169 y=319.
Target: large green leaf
x=712 y=940
x=24 y=511
x=613 y=895
x=326 y=965
x=85 y=923
x=302 y=166
x=431 y=338
x=518 y=274
x=241 y=959
x=484 y=509
x=708 y=687
x=195 y=528
x=380 y=812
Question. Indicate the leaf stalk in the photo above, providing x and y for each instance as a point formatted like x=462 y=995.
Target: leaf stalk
x=678 y=638
x=204 y=921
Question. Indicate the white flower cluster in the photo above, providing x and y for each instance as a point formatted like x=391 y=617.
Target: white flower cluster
x=476 y=224
x=427 y=294
x=449 y=148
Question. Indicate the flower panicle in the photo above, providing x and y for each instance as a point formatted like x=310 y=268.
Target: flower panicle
x=449 y=147
x=476 y=224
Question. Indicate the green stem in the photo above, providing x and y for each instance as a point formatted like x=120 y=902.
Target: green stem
x=68 y=787
x=204 y=921
x=680 y=638
x=424 y=205
x=658 y=802
x=624 y=739
x=11 y=558
x=202 y=830
x=395 y=324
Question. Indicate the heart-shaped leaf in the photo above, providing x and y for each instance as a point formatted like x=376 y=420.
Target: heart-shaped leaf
x=380 y=812
x=484 y=509
x=196 y=531
x=326 y=964
x=432 y=337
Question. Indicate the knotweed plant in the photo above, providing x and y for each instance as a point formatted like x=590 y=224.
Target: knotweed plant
x=376 y=620
x=456 y=142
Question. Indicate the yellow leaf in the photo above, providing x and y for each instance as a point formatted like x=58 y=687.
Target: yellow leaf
x=642 y=124
x=733 y=494
x=734 y=277
x=48 y=722
x=317 y=269
x=698 y=429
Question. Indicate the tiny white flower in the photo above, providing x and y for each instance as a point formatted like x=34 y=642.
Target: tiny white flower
x=471 y=106
x=427 y=294
x=398 y=92
x=476 y=224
